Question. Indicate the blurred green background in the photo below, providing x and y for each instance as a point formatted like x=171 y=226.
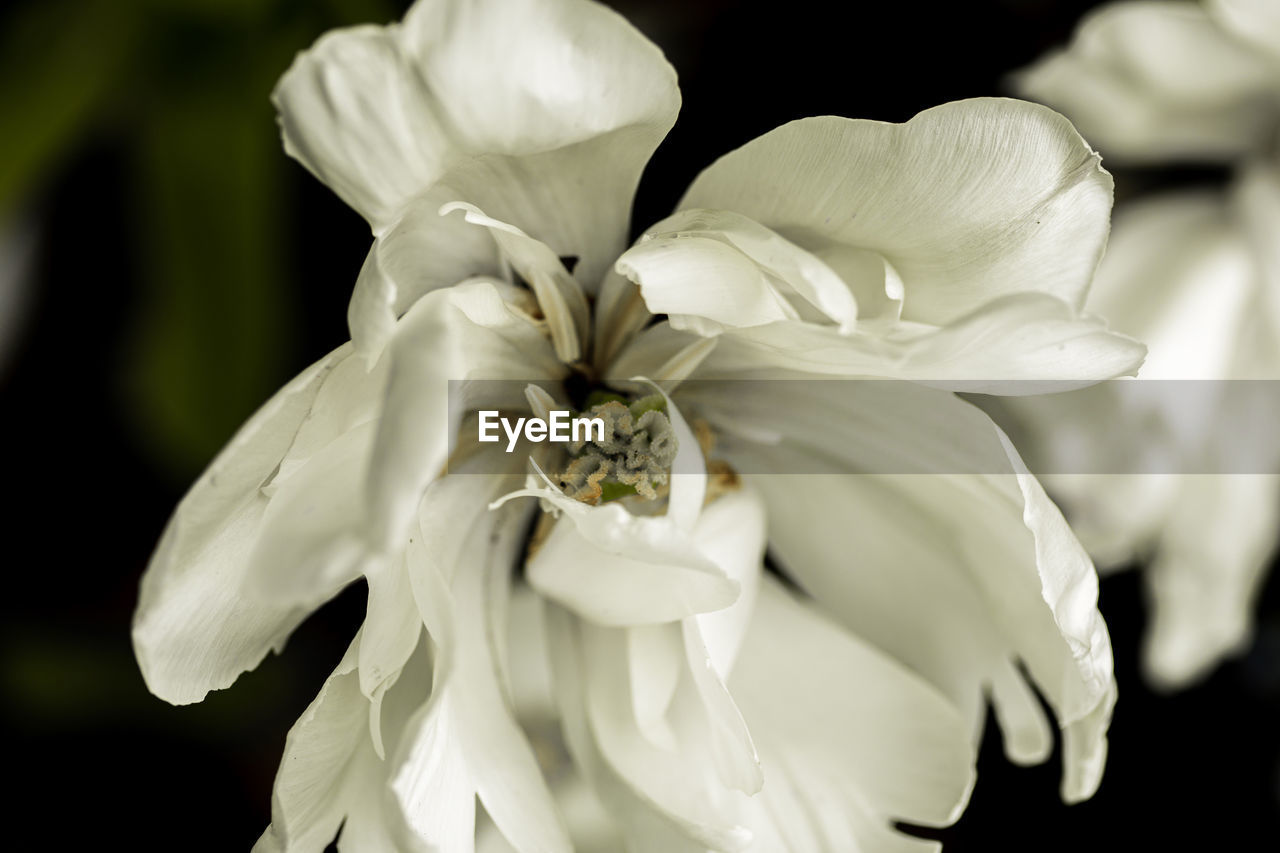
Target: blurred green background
x=181 y=269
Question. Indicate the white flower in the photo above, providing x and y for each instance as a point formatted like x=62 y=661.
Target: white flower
x=1158 y=81
x=704 y=705
x=1195 y=276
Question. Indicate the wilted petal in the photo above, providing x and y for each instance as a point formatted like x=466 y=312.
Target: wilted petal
x=355 y=114
x=306 y=808
x=309 y=545
x=430 y=779
x=967 y=201
x=955 y=575
x=474 y=550
x=392 y=626
x=469 y=331
x=194 y=631
x=646 y=711
x=851 y=741
x=330 y=776
x=666 y=795
x=543 y=112
x=1149 y=81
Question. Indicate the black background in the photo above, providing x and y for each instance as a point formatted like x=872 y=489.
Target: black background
x=98 y=762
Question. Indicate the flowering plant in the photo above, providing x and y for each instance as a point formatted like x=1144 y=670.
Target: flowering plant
x=494 y=149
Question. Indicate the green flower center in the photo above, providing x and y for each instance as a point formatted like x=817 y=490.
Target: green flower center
x=634 y=456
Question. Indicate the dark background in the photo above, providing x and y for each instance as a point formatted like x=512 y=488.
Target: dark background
x=186 y=269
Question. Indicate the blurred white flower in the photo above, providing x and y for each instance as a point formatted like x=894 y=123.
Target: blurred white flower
x=1160 y=80
x=1195 y=276
x=701 y=703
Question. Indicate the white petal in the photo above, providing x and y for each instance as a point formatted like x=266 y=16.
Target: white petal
x=309 y=545
x=614 y=530
x=612 y=589
x=688 y=470
x=620 y=313
x=731 y=532
x=353 y=112
x=1005 y=347
x=329 y=774
x=652 y=351
x=193 y=630
x=374 y=822
x=1255 y=21
x=464 y=332
x=667 y=731
x=616 y=568
x=703 y=284
x=647 y=827
x=661 y=352
x=1213 y=552
x=419 y=251
x=391 y=628
x=543 y=112
x=559 y=295
x=1156 y=81
x=954 y=575
x=876 y=285
x=706 y=717
x=723 y=267
x=967 y=201
x=858 y=740
x=430 y=778
x=306 y=807
x=1255 y=199
x=1177 y=276
x=456 y=526
x=663 y=794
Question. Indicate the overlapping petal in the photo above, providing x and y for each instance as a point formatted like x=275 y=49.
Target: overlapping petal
x=959 y=575
x=712 y=269
x=462 y=553
x=968 y=201
x=851 y=741
x=475 y=330
x=542 y=112
x=330 y=776
x=194 y=630
x=1004 y=347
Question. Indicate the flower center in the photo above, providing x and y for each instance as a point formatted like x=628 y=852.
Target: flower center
x=634 y=456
